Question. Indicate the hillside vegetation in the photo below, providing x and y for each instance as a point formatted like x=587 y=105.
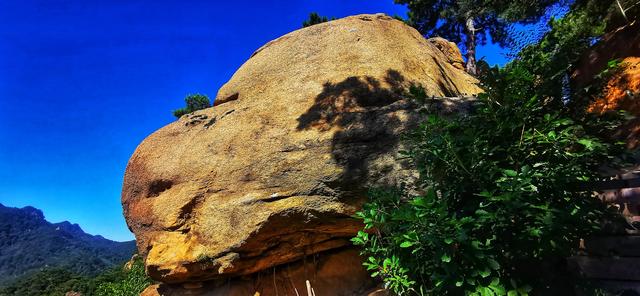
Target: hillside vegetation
x=29 y=243
x=120 y=280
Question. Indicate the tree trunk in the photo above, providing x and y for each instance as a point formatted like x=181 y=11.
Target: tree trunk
x=470 y=30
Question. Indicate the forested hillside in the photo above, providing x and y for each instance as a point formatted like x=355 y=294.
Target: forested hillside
x=29 y=243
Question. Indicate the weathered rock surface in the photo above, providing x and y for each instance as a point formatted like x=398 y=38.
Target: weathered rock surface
x=274 y=172
x=335 y=273
x=621 y=90
x=619 y=44
x=450 y=50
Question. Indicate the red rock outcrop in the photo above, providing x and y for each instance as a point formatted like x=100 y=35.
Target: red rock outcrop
x=619 y=44
x=621 y=90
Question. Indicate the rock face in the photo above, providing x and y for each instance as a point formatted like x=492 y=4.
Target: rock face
x=274 y=172
x=450 y=50
x=336 y=273
x=621 y=43
x=622 y=92
x=622 y=89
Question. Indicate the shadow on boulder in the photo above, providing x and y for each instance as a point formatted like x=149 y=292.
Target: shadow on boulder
x=370 y=116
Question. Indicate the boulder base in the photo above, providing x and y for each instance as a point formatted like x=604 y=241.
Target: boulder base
x=338 y=273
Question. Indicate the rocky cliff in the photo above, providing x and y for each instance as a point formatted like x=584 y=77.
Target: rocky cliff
x=257 y=193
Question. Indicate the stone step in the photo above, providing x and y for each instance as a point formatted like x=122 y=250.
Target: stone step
x=606 y=268
x=621 y=246
x=615 y=287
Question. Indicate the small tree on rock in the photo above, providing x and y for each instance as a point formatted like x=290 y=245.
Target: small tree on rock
x=315 y=18
x=194 y=102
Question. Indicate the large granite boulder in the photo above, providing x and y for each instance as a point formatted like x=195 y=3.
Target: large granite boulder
x=273 y=173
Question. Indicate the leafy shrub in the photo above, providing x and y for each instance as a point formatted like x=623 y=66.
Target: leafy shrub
x=502 y=207
x=501 y=201
x=194 y=103
x=132 y=282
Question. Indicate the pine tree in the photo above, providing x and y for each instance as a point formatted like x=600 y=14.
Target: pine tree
x=315 y=18
x=471 y=21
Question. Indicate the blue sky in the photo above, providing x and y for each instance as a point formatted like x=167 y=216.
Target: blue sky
x=82 y=83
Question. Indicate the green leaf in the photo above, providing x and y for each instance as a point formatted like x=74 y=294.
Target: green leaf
x=445 y=258
x=510 y=173
x=485 y=272
x=552 y=134
x=497 y=288
x=484 y=291
x=406 y=244
x=386 y=263
x=589 y=144
x=493 y=264
x=481 y=212
x=419 y=201
x=535 y=232
x=524 y=290
x=476 y=244
x=485 y=194
x=363 y=235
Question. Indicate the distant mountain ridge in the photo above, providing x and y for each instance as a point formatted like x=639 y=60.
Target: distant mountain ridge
x=29 y=243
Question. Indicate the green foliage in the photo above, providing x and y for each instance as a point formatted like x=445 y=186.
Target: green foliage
x=53 y=282
x=57 y=282
x=30 y=243
x=131 y=283
x=468 y=22
x=314 y=19
x=447 y=18
x=543 y=69
x=502 y=207
x=194 y=103
x=547 y=63
x=501 y=200
x=553 y=57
